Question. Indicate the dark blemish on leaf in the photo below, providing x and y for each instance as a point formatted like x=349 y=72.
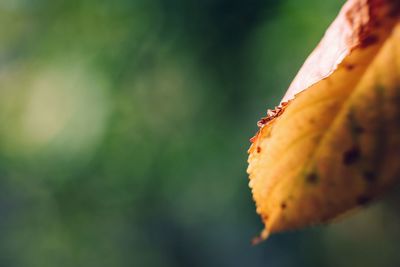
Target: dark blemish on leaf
x=283 y=205
x=355 y=127
x=265 y=218
x=376 y=24
x=363 y=200
x=358 y=129
x=369 y=40
x=369 y=176
x=258 y=149
x=395 y=10
x=312 y=178
x=351 y=156
x=350 y=66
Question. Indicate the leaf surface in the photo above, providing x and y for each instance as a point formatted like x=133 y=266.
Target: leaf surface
x=333 y=143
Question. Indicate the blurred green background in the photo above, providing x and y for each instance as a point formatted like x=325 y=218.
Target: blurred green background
x=125 y=126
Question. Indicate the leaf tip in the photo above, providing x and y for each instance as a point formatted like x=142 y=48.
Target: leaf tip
x=262 y=237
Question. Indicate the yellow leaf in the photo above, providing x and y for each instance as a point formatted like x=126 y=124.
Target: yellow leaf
x=334 y=141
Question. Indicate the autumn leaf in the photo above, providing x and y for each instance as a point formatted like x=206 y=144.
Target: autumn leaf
x=333 y=143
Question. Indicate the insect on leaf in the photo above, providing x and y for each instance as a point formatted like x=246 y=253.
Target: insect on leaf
x=333 y=143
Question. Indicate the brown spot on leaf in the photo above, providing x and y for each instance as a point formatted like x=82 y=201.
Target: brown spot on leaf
x=358 y=129
x=395 y=10
x=258 y=149
x=368 y=40
x=369 y=176
x=363 y=199
x=351 y=156
x=350 y=66
x=283 y=205
x=312 y=178
x=355 y=127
